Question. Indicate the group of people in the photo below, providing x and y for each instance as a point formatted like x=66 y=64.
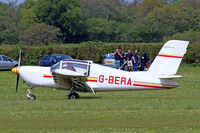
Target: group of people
x=131 y=58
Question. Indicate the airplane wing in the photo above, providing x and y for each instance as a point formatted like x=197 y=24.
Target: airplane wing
x=67 y=79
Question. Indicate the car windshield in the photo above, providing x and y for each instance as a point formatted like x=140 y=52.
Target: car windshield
x=61 y=57
x=77 y=66
x=109 y=56
x=55 y=66
x=47 y=57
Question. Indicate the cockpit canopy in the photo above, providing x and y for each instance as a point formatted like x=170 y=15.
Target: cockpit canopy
x=79 y=66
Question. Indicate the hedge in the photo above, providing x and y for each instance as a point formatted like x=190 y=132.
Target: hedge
x=90 y=51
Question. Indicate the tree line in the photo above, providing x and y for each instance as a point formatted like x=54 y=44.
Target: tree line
x=31 y=55
x=42 y=22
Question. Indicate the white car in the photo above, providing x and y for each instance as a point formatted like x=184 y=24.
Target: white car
x=7 y=63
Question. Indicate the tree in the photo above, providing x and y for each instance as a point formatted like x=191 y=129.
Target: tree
x=195 y=4
x=9 y=17
x=167 y=20
x=40 y=34
x=65 y=14
x=193 y=37
x=149 y=5
x=100 y=29
x=28 y=19
x=118 y=10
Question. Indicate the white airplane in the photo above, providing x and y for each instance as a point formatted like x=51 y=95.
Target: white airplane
x=86 y=76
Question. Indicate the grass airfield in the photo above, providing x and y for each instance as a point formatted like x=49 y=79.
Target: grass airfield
x=166 y=111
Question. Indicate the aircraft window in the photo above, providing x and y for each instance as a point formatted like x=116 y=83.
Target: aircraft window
x=55 y=66
x=77 y=67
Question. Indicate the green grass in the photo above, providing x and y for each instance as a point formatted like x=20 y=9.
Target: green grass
x=166 y=111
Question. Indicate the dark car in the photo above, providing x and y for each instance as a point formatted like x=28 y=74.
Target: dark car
x=50 y=60
x=7 y=63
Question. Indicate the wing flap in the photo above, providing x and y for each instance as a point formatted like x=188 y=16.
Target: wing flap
x=68 y=78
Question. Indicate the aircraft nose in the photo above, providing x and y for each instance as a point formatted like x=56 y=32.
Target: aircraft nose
x=15 y=70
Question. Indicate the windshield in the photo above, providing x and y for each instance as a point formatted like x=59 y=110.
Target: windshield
x=81 y=68
x=78 y=66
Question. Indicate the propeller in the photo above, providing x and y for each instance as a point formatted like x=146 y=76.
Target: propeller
x=17 y=83
x=19 y=63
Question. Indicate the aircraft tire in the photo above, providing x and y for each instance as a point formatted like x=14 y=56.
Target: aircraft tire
x=32 y=97
x=77 y=95
x=73 y=96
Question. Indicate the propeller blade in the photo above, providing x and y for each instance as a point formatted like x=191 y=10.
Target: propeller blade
x=20 y=53
x=17 y=83
x=19 y=64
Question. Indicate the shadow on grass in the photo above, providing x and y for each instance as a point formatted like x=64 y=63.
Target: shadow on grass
x=65 y=98
x=5 y=70
x=88 y=97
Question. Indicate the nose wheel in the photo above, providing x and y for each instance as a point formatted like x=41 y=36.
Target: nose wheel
x=30 y=95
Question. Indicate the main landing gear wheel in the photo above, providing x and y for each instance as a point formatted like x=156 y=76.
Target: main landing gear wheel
x=73 y=95
x=30 y=95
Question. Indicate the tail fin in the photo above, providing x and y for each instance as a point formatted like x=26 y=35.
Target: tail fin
x=169 y=58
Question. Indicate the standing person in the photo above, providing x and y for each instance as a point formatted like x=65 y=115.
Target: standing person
x=130 y=60
x=122 y=55
x=136 y=57
x=117 y=59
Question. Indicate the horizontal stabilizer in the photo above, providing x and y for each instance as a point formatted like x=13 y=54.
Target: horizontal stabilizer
x=169 y=76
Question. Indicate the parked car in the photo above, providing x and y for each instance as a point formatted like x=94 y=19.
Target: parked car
x=109 y=60
x=50 y=60
x=7 y=63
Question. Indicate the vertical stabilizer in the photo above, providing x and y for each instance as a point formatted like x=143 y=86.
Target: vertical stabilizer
x=169 y=58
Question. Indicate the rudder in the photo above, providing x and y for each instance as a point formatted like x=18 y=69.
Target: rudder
x=169 y=58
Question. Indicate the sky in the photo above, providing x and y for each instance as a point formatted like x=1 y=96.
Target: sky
x=21 y=1
x=7 y=1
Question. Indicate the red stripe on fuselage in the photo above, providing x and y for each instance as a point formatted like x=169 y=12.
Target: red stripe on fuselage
x=153 y=86
x=170 y=56
x=47 y=76
x=89 y=80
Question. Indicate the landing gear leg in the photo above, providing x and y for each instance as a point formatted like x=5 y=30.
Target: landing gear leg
x=30 y=95
x=72 y=94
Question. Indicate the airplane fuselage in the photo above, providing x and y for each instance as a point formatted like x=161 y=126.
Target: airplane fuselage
x=101 y=78
x=86 y=76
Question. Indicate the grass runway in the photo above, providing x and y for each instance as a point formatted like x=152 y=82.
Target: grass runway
x=166 y=111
